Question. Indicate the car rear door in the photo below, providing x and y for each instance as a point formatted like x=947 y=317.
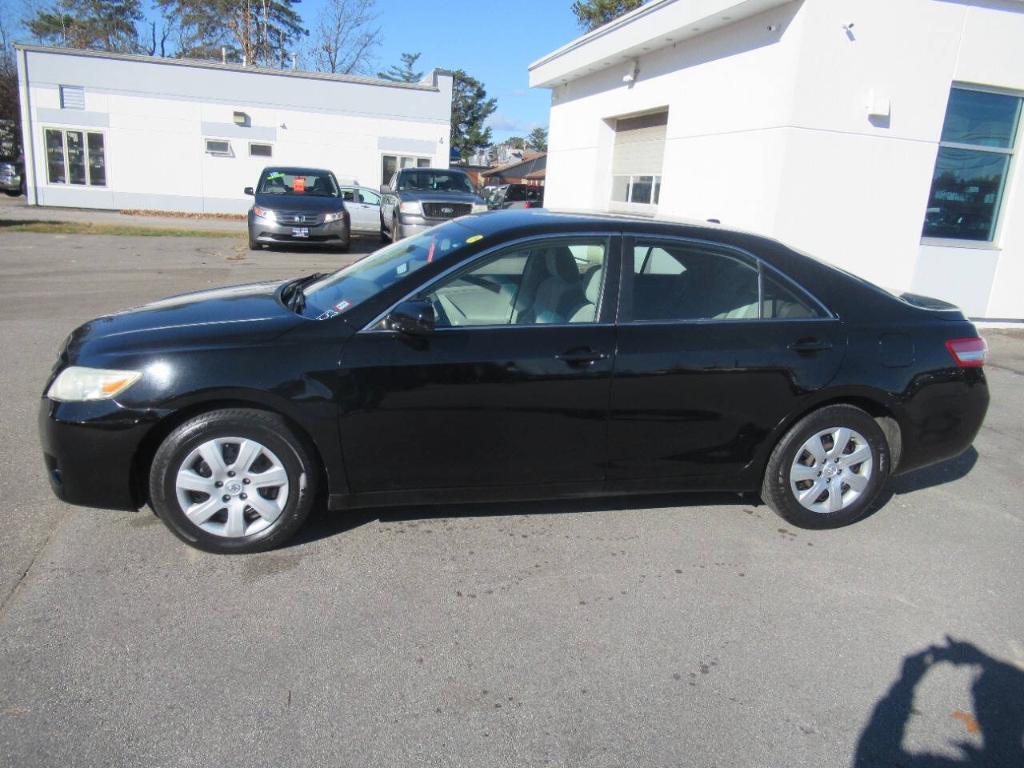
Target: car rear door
x=715 y=349
x=510 y=389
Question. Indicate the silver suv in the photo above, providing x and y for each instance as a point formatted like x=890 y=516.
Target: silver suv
x=418 y=198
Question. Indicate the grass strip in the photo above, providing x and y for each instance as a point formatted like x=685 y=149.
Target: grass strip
x=86 y=228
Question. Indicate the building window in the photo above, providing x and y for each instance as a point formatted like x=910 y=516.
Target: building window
x=75 y=157
x=391 y=163
x=975 y=153
x=643 y=190
x=219 y=148
x=637 y=159
x=261 y=150
x=72 y=97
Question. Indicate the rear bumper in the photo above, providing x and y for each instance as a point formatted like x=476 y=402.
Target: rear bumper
x=89 y=450
x=941 y=416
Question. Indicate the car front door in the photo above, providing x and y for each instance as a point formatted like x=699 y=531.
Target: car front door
x=361 y=217
x=509 y=389
x=715 y=349
x=368 y=204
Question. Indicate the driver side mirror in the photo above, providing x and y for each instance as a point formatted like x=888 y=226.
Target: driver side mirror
x=414 y=317
x=385 y=189
x=248 y=191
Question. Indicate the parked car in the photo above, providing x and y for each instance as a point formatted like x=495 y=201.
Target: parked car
x=492 y=195
x=363 y=205
x=520 y=196
x=416 y=199
x=12 y=180
x=517 y=355
x=298 y=206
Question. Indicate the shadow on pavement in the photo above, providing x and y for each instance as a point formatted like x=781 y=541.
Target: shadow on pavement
x=325 y=523
x=997 y=715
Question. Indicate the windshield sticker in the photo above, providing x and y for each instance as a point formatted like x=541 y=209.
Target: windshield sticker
x=401 y=269
x=275 y=175
x=327 y=315
x=474 y=238
x=299 y=185
x=342 y=305
x=433 y=246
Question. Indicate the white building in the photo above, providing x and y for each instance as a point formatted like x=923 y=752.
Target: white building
x=882 y=135
x=136 y=132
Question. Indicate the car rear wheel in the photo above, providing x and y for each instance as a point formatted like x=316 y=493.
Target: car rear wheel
x=828 y=469
x=233 y=481
x=383 y=232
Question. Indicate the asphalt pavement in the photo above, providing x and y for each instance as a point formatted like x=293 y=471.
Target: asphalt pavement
x=664 y=631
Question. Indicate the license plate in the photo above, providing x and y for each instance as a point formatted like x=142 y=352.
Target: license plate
x=300 y=231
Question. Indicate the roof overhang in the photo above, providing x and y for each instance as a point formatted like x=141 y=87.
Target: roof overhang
x=654 y=25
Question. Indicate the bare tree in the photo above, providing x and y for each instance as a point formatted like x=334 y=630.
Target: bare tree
x=346 y=36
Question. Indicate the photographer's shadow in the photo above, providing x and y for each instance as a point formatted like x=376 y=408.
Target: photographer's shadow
x=998 y=714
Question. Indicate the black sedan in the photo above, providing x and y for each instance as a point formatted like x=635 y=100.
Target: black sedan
x=515 y=355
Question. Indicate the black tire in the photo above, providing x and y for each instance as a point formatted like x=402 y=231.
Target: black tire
x=13 y=192
x=383 y=232
x=253 y=245
x=271 y=431
x=777 y=491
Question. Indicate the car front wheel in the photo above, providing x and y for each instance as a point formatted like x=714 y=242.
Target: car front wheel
x=828 y=469
x=233 y=481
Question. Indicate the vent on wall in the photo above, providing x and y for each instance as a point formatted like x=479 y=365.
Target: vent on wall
x=72 y=97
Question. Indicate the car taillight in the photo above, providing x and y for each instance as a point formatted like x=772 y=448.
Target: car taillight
x=968 y=353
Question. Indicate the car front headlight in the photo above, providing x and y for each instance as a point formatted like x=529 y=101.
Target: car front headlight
x=76 y=384
x=411 y=206
x=337 y=216
x=480 y=208
x=264 y=213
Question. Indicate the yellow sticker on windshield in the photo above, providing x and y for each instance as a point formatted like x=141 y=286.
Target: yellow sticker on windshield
x=474 y=238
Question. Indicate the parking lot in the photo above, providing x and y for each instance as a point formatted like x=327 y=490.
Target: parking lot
x=665 y=631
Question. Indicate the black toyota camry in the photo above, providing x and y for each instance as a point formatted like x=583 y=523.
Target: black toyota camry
x=517 y=355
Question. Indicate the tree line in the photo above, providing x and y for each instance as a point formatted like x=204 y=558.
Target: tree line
x=344 y=40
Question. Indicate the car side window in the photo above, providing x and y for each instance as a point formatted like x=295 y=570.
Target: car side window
x=368 y=197
x=691 y=282
x=782 y=303
x=552 y=282
x=347 y=195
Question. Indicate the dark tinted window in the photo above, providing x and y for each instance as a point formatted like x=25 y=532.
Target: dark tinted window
x=682 y=282
x=293 y=182
x=434 y=181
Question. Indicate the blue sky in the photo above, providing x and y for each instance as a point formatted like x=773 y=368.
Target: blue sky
x=493 y=41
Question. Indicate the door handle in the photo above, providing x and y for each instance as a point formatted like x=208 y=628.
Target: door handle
x=809 y=346
x=580 y=358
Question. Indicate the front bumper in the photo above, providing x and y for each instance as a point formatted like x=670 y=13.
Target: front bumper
x=265 y=231
x=90 y=449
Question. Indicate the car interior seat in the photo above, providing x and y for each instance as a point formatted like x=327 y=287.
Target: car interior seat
x=551 y=289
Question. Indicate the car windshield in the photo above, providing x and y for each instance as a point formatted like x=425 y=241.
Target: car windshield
x=434 y=181
x=295 y=182
x=339 y=292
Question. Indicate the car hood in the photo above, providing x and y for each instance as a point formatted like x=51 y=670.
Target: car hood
x=300 y=203
x=427 y=196
x=204 y=318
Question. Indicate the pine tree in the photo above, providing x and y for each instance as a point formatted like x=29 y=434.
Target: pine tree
x=254 y=31
x=470 y=110
x=591 y=14
x=538 y=140
x=403 y=73
x=106 y=25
